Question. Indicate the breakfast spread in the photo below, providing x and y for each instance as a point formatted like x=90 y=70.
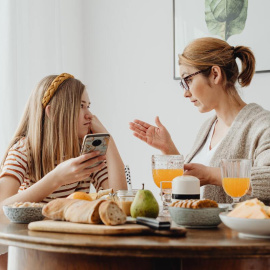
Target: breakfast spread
x=26 y=204
x=83 y=211
x=251 y=209
x=195 y=204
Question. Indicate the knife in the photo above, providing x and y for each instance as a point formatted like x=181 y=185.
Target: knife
x=154 y=223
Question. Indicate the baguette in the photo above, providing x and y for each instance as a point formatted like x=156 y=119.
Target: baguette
x=111 y=214
x=73 y=210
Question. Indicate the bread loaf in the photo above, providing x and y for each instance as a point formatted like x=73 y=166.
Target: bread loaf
x=73 y=210
x=195 y=204
x=82 y=211
x=111 y=214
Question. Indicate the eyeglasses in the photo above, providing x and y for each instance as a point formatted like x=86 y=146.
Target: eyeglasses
x=184 y=82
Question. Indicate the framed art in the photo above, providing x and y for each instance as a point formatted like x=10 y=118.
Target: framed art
x=239 y=22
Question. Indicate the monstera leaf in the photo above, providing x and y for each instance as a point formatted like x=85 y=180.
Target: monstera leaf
x=226 y=17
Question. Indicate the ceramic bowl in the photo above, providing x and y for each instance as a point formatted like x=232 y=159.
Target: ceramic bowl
x=23 y=214
x=196 y=218
x=247 y=227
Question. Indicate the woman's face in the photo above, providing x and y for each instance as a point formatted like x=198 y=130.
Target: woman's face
x=85 y=116
x=201 y=93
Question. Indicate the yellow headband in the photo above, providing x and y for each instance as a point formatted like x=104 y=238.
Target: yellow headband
x=53 y=87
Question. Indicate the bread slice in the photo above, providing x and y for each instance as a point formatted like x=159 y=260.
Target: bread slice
x=111 y=214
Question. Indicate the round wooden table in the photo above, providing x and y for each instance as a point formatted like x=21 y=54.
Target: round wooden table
x=219 y=248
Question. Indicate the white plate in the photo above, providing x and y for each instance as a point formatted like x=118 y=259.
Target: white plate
x=247 y=227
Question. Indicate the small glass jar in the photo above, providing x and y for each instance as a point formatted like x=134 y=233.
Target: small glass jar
x=125 y=199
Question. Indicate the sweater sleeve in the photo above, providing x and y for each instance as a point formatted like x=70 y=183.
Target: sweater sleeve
x=260 y=172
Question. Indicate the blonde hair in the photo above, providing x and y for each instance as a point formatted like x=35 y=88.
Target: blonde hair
x=206 y=52
x=54 y=139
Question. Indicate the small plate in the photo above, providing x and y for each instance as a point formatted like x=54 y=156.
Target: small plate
x=247 y=227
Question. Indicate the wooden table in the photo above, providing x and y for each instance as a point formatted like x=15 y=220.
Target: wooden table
x=218 y=248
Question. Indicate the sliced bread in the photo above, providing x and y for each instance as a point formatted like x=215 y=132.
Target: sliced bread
x=111 y=214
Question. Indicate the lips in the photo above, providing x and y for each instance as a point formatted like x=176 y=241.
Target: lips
x=88 y=123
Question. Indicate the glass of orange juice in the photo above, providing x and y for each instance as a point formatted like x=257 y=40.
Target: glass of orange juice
x=236 y=175
x=166 y=168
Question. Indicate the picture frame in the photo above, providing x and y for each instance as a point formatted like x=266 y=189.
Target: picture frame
x=191 y=20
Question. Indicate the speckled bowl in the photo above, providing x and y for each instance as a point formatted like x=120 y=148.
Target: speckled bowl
x=23 y=214
x=196 y=218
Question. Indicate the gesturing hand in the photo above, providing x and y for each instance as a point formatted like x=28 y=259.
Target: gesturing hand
x=157 y=137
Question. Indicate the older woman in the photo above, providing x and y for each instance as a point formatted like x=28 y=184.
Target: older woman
x=209 y=73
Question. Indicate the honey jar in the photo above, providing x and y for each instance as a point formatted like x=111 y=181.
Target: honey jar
x=125 y=199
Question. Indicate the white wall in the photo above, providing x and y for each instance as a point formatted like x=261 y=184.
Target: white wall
x=125 y=57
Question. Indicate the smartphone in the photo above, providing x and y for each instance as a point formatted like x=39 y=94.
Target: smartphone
x=95 y=142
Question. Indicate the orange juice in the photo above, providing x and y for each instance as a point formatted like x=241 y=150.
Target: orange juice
x=236 y=187
x=165 y=175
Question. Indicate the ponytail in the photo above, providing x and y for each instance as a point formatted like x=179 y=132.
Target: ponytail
x=248 y=64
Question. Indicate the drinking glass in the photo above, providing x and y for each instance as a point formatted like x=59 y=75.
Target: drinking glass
x=166 y=168
x=236 y=175
x=166 y=197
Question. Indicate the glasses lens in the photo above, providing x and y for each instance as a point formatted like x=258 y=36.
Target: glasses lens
x=183 y=84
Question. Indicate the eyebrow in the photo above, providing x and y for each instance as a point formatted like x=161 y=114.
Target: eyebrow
x=184 y=74
x=83 y=101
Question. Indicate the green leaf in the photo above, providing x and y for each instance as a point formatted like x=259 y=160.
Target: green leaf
x=226 y=17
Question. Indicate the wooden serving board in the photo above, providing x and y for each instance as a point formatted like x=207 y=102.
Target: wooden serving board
x=99 y=229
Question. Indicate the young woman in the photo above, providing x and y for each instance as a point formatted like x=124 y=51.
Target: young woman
x=43 y=159
x=209 y=73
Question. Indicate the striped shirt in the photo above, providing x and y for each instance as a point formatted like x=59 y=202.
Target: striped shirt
x=16 y=166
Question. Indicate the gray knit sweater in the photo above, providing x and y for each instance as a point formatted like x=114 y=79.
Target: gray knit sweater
x=247 y=138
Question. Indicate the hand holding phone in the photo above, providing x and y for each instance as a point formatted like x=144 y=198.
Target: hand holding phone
x=95 y=142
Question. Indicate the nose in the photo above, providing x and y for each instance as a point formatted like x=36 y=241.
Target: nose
x=88 y=115
x=187 y=94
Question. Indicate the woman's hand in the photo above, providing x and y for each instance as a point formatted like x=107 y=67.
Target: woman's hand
x=96 y=126
x=76 y=169
x=206 y=175
x=157 y=137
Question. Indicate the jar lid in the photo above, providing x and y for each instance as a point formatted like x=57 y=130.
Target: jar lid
x=124 y=192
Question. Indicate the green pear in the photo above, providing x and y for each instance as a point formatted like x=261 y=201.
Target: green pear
x=144 y=204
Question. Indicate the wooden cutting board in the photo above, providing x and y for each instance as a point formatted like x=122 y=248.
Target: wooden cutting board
x=100 y=229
